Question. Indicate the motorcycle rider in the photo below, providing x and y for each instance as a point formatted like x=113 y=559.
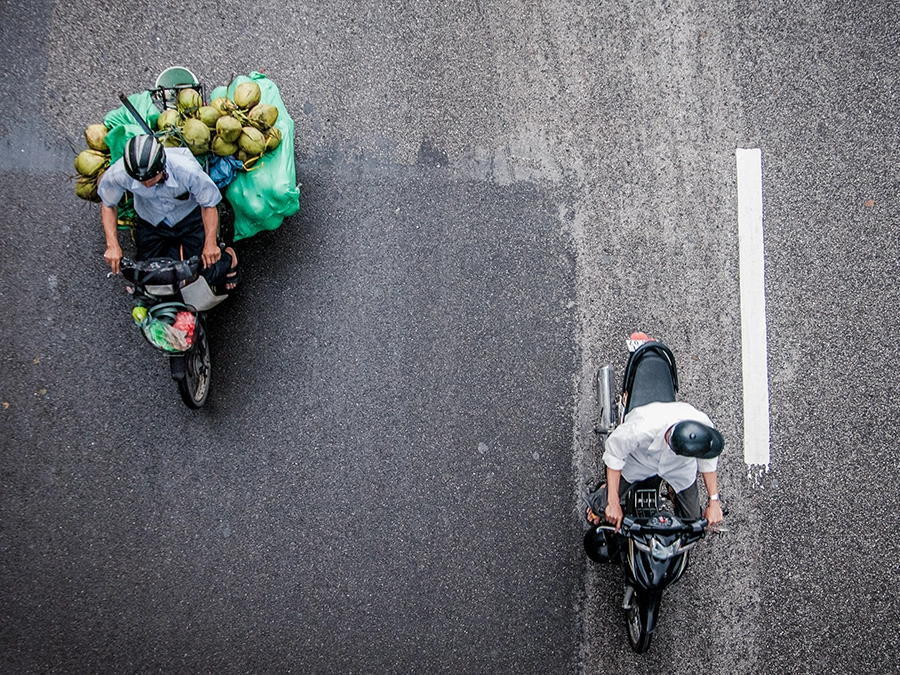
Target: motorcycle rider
x=672 y=440
x=175 y=201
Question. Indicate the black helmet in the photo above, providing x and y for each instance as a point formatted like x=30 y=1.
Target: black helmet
x=693 y=439
x=144 y=157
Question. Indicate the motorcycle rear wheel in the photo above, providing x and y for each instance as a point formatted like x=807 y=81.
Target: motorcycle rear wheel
x=640 y=620
x=194 y=387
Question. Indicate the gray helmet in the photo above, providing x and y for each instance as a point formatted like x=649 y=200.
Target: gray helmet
x=693 y=439
x=144 y=157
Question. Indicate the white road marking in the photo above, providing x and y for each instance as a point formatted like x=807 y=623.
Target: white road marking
x=754 y=349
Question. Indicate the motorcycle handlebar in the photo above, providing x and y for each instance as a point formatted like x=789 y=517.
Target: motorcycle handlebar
x=690 y=527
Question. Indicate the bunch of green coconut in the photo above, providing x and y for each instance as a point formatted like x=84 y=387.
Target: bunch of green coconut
x=242 y=127
x=91 y=163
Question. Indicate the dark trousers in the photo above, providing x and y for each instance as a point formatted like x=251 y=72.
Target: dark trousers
x=185 y=239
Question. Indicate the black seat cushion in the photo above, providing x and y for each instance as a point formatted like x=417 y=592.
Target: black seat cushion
x=652 y=382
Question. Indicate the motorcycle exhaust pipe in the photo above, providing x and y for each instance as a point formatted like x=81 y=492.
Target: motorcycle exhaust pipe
x=606 y=400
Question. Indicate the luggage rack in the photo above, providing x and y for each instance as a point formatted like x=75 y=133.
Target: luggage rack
x=646 y=502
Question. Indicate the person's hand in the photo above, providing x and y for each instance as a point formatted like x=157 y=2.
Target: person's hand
x=714 y=513
x=592 y=517
x=113 y=257
x=211 y=254
x=614 y=514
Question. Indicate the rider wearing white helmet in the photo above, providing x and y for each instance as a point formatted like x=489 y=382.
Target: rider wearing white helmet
x=175 y=201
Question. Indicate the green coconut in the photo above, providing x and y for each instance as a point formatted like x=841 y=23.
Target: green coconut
x=223 y=148
x=89 y=163
x=222 y=104
x=228 y=128
x=196 y=136
x=248 y=161
x=86 y=188
x=263 y=115
x=171 y=140
x=208 y=115
x=95 y=136
x=252 y=141
x=273 y=139
x=168 y=118
x=188 y=101
x=247 y=95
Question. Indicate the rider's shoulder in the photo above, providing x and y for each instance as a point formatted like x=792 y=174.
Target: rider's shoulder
x=115 y=174
x=182 y=165
x=180 y=156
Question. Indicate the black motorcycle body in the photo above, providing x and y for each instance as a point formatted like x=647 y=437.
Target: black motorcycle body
x=159 y=285
x=652 y=544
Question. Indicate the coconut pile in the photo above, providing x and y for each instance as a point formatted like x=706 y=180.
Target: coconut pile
x=241 y=127
x=91 y=163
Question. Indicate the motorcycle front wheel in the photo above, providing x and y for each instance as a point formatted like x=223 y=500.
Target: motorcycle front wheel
x=640 y=619
x=194 y=387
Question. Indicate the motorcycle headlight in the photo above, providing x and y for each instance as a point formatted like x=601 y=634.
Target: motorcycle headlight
x=661 y=551
x=160 y=289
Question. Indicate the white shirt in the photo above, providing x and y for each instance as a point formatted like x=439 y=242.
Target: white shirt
x=639 y=450
x=186 y=187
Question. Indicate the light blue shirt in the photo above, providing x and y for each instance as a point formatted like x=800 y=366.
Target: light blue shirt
x=186 y=187
x=638 y=447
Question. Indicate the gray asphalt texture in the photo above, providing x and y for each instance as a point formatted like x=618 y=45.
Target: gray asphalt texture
x=386 y=476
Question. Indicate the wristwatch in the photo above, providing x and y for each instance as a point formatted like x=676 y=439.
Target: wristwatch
x=714 y=498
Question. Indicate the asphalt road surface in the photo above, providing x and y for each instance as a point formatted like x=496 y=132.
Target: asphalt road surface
x=386 y=476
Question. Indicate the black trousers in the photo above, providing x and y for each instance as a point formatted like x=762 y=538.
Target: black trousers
x=187 y=236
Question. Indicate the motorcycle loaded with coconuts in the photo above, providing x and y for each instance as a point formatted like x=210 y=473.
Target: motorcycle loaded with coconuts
x=652 y=544
x=237 y=138
x=172 y=298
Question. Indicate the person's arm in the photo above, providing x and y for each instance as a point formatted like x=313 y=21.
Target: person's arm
x=624 y=440
x=109 y=216
x=211 y=252
x=613 y=507
x=714 y=509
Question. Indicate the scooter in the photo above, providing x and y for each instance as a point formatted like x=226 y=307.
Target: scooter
x=171 y=296
x=652 y=544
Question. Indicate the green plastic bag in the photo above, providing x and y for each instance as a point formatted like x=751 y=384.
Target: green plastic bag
x=264 y=197
x=122 y=125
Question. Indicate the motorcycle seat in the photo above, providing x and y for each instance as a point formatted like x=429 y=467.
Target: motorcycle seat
x=652 y=382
